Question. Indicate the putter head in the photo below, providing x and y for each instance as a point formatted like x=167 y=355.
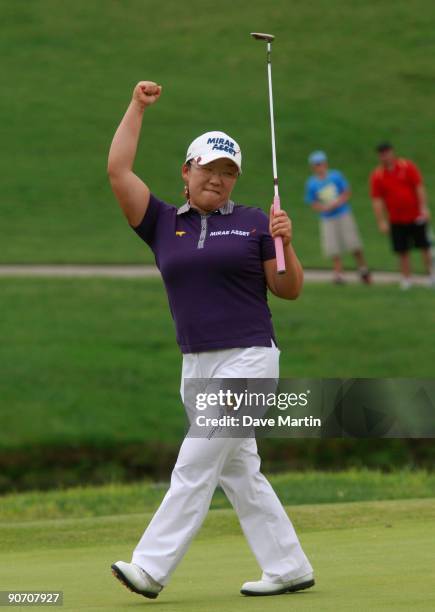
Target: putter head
x=262 y=36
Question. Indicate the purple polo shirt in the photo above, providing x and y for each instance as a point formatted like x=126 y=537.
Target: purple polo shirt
x=212 y=268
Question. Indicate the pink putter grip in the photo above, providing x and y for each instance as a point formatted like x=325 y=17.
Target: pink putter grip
x=279 y=249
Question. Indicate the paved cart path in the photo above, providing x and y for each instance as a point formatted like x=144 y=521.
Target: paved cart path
x=147 y=271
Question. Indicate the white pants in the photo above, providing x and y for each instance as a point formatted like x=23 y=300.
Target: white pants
x=234 y=464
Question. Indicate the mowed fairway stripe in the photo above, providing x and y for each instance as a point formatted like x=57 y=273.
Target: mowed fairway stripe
x=384 y=564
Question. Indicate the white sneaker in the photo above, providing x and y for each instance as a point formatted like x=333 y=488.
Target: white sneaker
x=136 y=579
x=405 y=284
x=263 y=587
x=338 y=279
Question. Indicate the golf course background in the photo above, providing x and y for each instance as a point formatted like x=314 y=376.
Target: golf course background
x=346 y=75
x=90 y=414
x=90 y=366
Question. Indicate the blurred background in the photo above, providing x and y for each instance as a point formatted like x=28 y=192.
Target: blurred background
x=89 y=367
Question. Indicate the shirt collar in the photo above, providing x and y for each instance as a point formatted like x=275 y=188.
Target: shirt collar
x=398 y=163
x=226 y=209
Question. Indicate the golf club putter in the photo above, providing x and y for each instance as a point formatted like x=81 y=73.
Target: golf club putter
x=279 y=249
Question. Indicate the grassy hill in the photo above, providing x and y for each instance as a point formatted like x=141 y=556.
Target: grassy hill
x=90 y=375
x=74 y=375
x=346 y=74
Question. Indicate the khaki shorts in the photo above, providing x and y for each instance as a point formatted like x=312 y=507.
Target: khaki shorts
x=339 y=235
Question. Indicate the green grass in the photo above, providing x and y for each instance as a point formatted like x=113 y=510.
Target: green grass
x=292 y=488
x=345 y=76
x=366 y=555
x=95 y=361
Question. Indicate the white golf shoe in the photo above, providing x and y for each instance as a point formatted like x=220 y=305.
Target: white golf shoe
x=136 y=579
x=405 y=283
x=263 y=587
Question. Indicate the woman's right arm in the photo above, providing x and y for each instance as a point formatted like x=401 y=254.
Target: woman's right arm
x=131 y=192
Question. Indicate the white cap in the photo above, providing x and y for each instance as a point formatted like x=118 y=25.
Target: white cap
x=214 y=145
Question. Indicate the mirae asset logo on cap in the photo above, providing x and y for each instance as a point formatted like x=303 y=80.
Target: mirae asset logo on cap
x=220 y=144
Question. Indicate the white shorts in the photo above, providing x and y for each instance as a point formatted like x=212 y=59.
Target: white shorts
x=339 y=235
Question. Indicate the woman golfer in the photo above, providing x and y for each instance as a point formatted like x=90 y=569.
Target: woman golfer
x=217 y=259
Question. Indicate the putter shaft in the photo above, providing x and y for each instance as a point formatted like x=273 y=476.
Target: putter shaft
x=279 y=247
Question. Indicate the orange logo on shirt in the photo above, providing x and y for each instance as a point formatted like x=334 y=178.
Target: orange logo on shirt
x=180 y=233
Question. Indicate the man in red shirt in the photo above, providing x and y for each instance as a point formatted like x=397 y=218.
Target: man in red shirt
x=398 y=194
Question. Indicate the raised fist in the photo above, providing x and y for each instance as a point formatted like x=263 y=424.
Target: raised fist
x=146 y=93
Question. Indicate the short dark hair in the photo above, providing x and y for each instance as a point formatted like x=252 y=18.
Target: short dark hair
x=384 y=146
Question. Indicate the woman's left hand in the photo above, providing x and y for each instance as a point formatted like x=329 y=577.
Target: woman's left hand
x=280 y=225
